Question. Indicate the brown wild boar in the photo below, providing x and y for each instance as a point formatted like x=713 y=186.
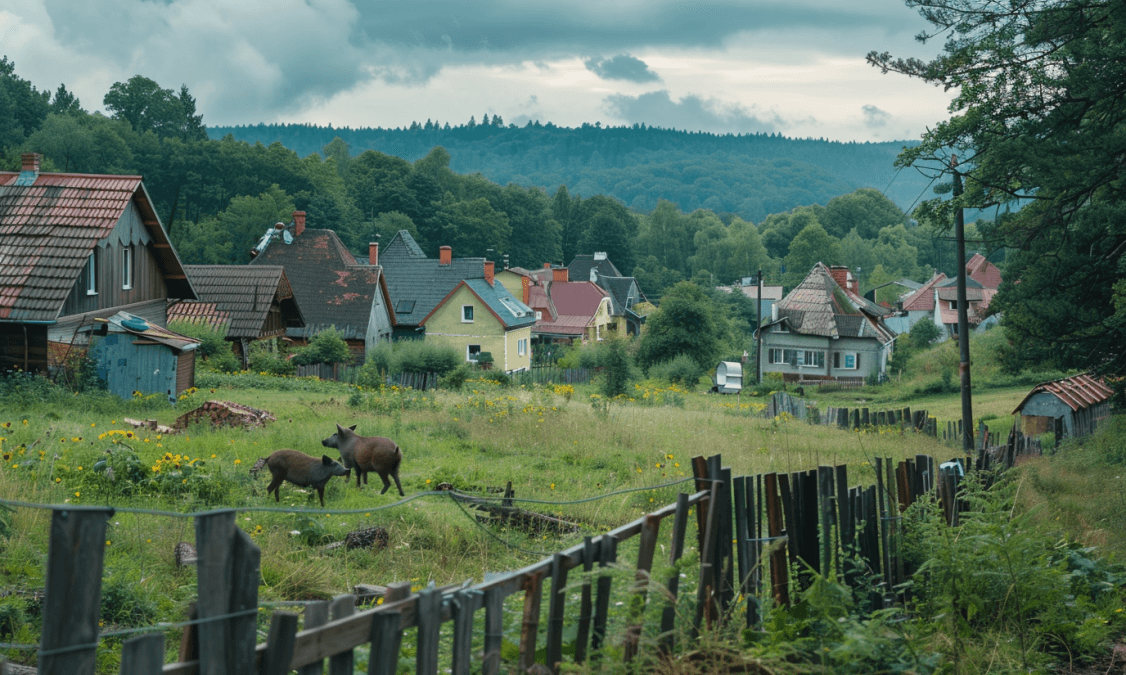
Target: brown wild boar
x=301 y=470
x=367 y=453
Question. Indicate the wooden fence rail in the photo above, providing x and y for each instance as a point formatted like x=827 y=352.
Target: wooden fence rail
x=751 y=532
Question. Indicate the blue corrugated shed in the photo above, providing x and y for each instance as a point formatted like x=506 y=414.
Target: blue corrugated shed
x=130 y=355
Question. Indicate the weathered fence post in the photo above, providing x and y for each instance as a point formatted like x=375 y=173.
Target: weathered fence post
x=68 y=645
x=607 y=556
x=533 y=595
x=779 y=571
x=466 y=603
x=316 y=614
x=646 y=549
x=143 y=655
x=279 y=645
x=227 y=572
x=553 y=650
x=340 y=607
x=668 y=615
x=429 y=619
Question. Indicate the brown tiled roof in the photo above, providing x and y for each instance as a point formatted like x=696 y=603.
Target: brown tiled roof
x=49 y=228
x=1078 y=391
x=246 y=292
x=205 y=313
x=330 y=287
x=819 y=306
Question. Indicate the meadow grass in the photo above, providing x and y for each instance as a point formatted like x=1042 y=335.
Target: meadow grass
x=569 y=452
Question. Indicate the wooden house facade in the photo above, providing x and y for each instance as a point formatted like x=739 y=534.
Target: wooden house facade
x=75 y=248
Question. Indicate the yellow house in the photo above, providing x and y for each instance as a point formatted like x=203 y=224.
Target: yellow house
x=481 y=316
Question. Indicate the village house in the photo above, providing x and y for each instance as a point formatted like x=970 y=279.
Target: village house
x=458 y=302
x=331 y=288
x=566 y=311
x=246 y=302
x=824 y=330
x=937 y=300
x=76 y=248
x=625 y=294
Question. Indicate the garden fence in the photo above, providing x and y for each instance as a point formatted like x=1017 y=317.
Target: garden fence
x=816 y=521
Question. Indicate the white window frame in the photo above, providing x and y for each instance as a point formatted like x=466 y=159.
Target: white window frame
x=808 y=358
x=127 y=268
x=522 y=346
x=539 y=315
x=467 y=313
x=470 y=355
x=855 y=356
x=92 y=273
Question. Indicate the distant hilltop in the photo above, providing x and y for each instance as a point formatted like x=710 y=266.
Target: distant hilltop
x=749 y=175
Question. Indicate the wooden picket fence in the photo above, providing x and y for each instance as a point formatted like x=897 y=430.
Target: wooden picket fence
x=822 y=522
x=552 y=375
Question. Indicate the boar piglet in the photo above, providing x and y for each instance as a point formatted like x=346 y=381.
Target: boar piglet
x=301 y=470
x=367 y=453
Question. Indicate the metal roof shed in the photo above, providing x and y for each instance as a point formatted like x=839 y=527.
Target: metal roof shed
x=1072 y=407
x=130 y=354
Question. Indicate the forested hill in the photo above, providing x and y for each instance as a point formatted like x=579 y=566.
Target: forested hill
x=749 y=175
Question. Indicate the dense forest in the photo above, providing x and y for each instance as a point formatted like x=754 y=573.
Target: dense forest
x=217 y=197
x=750 y=176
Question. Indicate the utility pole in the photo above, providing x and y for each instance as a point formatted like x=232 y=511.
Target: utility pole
x=758 y=332
x=963 y=317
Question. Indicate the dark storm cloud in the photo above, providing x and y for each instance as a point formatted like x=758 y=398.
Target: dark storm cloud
x=244 y=64
x=621 y=67
x=874 y=118
x=691 y=112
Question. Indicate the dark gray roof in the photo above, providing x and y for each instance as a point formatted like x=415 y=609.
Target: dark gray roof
x=619 y=288
x=246 y=292
x=579 y=269
x=331 y=288
x=414 y=278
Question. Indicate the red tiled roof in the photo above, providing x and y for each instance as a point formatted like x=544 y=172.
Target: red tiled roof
x=49 y=228
x=205 y=313
x=922 y=300
x=983 y=271
x=577 y=298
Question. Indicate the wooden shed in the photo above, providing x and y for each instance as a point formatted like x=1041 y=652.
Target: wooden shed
x=133 y=355
x=1071 y=407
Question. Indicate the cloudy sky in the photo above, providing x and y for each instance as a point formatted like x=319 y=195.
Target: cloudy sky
x=795 y=67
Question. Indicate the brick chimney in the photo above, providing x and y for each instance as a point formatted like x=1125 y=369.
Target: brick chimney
x=525 y=289
x=29 y=161
x=373 y=253
x=489 y=271
x=547 y=266
x=841 y=276
x=298 y=223
x=559 y=274
x=445 y=255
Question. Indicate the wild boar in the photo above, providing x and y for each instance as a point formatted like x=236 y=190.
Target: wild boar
x=301 y=470
x=367 y=453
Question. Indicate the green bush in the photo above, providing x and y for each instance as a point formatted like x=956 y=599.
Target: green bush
x=212 y=341
x=616 y=367
x=327 y=346
x=579 y=356
x=266 y=357
x=456 y=378
x=408 y=356
x=682 y=370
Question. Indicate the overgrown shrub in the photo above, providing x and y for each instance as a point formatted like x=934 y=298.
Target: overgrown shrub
x=408 y=356
x=682 y=370
x=327 y=346
x=266 y=357
x=616 y=367
x=212 y=340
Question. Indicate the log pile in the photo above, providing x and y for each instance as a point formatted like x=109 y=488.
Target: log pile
x=225 y=413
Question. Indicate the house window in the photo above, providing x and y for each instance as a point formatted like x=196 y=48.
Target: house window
x=953 y=329
x=467 y=313
x=953 y=304
x=539 y=315
x=127 y=268
x=846 y=360
x=522 y=346
x=472 y=352
x=92 y=274
x=812 y=359
x=793 y=357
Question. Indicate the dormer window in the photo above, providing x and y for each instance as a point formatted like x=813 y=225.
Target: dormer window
x=781 y=328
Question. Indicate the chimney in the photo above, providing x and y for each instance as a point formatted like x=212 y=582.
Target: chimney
x=525 y=290
x=29 y=161
x=489 y=269
x=445 y=255
x=373 y=253
x=841 y=276
x=559 y=275
x=547 y=266
x=298 y=223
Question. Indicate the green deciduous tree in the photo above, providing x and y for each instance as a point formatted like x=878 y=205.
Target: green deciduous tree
x=148 y=107
x=687 y=322
x=812 y=245
x=1037 y=120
